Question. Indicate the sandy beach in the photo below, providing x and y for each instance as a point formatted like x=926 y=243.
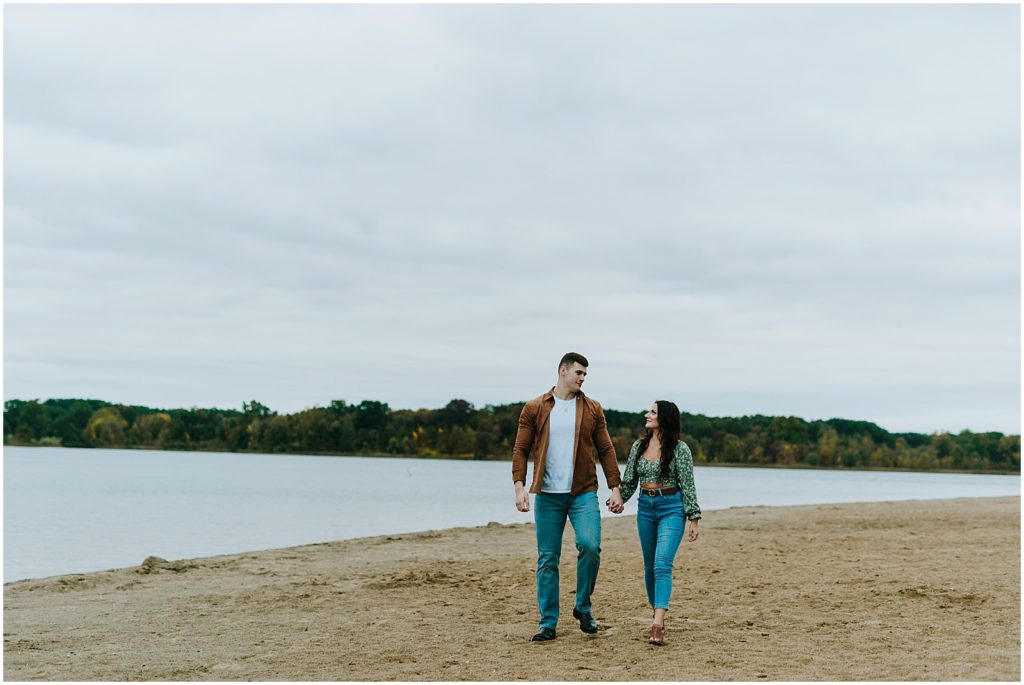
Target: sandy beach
x=921 y=590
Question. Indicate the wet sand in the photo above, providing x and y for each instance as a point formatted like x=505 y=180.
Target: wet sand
x=922 y=590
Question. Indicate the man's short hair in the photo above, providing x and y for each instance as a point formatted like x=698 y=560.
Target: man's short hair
x=569 y=357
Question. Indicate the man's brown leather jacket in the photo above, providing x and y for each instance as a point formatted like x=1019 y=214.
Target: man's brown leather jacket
x=591 y=432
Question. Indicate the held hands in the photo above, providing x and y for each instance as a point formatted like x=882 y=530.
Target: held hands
x=615 y=503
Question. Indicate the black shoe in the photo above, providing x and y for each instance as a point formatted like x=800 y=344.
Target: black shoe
x=587 y=622
x=544 y=635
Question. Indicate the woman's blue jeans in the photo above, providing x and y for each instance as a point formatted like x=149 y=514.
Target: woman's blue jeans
x=660 y=521
x=550 y=513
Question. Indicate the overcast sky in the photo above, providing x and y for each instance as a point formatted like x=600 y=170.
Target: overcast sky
x=784 y=210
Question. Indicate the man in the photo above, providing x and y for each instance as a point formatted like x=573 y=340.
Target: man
x=560 y=429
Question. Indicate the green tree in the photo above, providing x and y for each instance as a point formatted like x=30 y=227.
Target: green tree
x=456 y=413
x=256 y=410
x=275 y=435
x=371 y=415
x=33 y=421
x=371 y=425
x=788 y=429
x=311 y=430
x=732 y=449
x=70 y=427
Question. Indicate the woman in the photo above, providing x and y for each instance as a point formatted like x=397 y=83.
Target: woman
x=663 y=466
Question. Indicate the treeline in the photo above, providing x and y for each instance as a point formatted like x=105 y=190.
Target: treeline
x=460 y=430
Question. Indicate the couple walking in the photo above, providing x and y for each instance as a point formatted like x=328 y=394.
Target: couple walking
x=561 y=429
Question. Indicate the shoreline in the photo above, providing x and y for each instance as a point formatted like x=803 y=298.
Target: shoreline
x=876 y=591
x=604 y=518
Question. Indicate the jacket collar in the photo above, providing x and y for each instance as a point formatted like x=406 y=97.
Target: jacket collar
x=550 y=395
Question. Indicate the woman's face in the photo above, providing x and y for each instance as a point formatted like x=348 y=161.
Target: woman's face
x=651 y=418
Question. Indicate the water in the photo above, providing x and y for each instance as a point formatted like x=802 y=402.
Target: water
x=72 y=511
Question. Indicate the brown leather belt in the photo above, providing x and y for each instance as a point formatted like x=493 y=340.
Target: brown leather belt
x=660 y=491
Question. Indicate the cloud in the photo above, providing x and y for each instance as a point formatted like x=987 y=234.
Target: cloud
x=756 y=209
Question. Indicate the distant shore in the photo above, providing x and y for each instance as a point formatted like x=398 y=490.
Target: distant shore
x=917 y=590
x=459 y=430
x=444 y=457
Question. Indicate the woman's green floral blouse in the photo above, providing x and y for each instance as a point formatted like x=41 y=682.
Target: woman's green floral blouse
x=680 y=472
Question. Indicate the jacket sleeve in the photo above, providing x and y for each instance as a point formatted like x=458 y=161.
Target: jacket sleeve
x=605 y=449
x=524 y=442
x=631 y=477
x=683 y=462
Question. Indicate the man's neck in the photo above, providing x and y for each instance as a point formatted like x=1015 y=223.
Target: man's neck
x=563 y=393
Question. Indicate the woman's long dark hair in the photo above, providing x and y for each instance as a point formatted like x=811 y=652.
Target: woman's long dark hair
x=668 y=424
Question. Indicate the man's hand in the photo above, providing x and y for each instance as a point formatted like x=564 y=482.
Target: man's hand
x=615 y=503
x=522 y=497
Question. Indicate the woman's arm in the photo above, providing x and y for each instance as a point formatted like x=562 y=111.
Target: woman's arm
x=630 y=478
x=683 y=463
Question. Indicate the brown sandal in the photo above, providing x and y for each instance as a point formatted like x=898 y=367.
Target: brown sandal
x=657 y=635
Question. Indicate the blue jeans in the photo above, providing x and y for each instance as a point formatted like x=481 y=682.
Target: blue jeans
x=550 y=513
x=660 y=522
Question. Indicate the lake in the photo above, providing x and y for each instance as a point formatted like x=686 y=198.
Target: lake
x=78 y=510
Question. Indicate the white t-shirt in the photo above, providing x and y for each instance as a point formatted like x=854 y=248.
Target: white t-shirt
x=559 y=462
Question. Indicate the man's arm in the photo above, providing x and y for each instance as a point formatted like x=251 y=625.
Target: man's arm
x=520 y=453
x=606 y=450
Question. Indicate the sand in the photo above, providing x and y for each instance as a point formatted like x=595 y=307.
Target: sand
x=923 y=590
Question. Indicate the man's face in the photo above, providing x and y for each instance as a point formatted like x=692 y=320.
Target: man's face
x=573 y=376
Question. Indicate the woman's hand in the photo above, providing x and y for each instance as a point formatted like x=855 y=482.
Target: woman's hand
x=694 y=532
